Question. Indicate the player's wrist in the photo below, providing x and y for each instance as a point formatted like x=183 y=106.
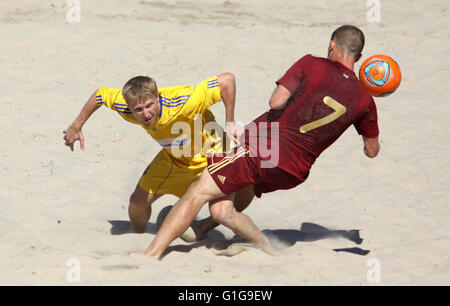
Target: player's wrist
x=76 y=125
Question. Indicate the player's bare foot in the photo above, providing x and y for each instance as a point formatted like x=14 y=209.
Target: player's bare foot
x=268 y=249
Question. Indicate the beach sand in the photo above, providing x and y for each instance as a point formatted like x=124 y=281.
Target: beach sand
x=63 y=212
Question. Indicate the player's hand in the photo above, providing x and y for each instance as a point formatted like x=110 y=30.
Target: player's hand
x=72 y=134
x=234 y=131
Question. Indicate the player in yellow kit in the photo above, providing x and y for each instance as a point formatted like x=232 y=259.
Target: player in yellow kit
x=177 y=118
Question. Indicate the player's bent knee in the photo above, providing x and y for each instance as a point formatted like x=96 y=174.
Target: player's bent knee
x=217 y=215
x=221 y=213
x=141 y=198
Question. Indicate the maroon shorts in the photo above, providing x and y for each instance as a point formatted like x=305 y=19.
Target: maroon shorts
x=232 y=172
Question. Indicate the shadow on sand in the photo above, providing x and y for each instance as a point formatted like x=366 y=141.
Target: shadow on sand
x=308 y=232
x=283 y=238
x=312 y=232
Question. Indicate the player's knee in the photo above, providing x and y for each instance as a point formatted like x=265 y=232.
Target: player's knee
x=135 y=199
x=221 y=213
x=140 y=198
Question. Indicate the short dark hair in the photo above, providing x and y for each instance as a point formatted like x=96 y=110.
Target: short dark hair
x=350 y=39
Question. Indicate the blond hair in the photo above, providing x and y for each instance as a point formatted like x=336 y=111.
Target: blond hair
x=138 y=89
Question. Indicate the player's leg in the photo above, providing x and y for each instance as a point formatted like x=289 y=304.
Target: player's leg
x=140 y=209
x=198 y=229
x=184 y=212
x=158 y=173
x=243 y=198
x=224 y=212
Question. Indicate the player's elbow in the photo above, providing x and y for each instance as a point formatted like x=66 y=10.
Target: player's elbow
x=279 y=97
x=371 y=146
x=272 y=104
x=276 y=104
x=371 y=152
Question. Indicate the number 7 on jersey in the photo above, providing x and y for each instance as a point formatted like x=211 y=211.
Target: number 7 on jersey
x=339 y=110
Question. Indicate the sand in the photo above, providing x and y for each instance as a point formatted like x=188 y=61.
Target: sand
x=63 y=214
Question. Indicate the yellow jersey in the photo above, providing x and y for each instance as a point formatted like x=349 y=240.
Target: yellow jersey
x=186 y=127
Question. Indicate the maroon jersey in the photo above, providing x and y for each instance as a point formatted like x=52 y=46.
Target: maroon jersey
x=326 y=99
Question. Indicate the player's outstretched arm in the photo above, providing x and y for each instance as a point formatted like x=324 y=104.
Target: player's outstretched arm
x=74 y=132
x=371 y=146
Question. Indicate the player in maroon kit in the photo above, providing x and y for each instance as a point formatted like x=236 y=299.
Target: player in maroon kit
x=313 y=104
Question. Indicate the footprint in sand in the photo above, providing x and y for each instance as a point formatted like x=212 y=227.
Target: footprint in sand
x=233 y=249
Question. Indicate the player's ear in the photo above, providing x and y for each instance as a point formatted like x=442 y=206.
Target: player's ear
x=331 y=48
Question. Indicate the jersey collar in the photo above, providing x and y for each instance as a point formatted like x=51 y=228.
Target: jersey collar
x=346 y=67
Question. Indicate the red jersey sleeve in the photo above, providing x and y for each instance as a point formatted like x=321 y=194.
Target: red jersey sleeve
x=367 y=125
x=293 y=78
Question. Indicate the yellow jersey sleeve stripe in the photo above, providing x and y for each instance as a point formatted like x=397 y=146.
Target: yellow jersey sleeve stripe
x=112 y=98
x=99 y=99
x=107 y=96
x=213 y=83
x=212 y=91
x=174 y=102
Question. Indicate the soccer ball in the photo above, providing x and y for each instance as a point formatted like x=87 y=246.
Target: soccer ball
x=380 y=75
